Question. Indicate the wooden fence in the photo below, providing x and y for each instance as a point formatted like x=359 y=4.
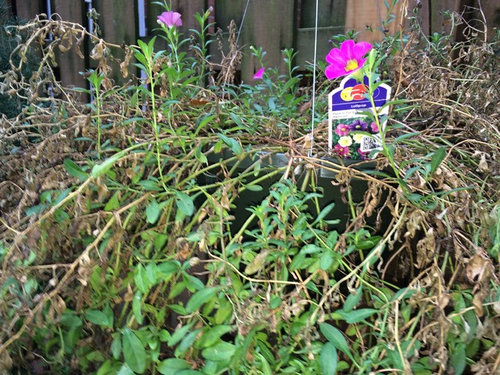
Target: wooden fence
x=272 y=24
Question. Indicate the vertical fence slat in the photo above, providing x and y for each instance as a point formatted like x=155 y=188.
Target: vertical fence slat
x=367 y=17
x=28 y=9
x=118 y=23
x=438 y=21
x=70 y=64
x=491 y=10
x=268 y=24
x=331 y=21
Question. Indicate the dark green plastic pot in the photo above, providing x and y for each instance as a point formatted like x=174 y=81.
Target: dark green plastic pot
x=274 y=161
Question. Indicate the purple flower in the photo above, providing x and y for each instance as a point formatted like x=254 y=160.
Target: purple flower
x=374 y=127
x=358 y=125
x=259 y=74
x=170 y=19
x=342 y=129
x=363 y=155
x=341 y=151
x=347 y=59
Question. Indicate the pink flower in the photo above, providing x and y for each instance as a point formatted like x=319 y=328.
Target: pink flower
x=259 y=74
x=374 y=127
x=347 y=59
x=341 y=151
x=170 y=19
x=342 y=129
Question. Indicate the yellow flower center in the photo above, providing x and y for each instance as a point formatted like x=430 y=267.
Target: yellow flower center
x=351 y=65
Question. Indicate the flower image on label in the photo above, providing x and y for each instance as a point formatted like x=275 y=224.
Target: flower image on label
x=358 y=137
x=345 y=141
x=342 y=129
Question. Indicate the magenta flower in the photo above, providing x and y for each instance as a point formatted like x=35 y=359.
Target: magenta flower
x=170 y=19
x=341 y=151
x=259 y=74
x=374 y=127
x=347 y=59
x=342 y=129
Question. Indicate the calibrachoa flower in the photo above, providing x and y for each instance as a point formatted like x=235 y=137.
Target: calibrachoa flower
x=170 y=19
x=374 y=127
x=358 y=137
x=346 y=60
x=341 y=151
x=363 y=155
x=342 y=129
x=345 y=141
x=359 y=125
x=259 y=74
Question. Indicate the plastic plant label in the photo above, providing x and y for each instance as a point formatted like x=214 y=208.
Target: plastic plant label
x=351 y=132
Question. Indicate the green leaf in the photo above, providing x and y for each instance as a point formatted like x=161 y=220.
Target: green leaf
x=204 y=122
x=405 y=136
x=437 y=158
x=140 y=279
x=212 y=335
x=328 y=359
x=100 y=169
x=236 y=119
x=199 y=298
x=74 y=170
x=353 y=299
x=266 y=368
x=136 y=306
x=404 y=293
x=179 y=334
x=231 y=143
x=113 y=202
x=326 y=260
x=336 y=337
x=153 y=211
x=223 y=351
x=133 y=351
x=458 y=359
x=325 y=211
x=99 y=318
x=186 y=343
x=125 y=370
x=172 y=366
x=356 y=316
x=184 y=203
x=116 y=346
x=168 y=268
x=254 y=187
x=200 y=156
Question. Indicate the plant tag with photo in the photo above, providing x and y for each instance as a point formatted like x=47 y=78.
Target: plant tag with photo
x=351 y=133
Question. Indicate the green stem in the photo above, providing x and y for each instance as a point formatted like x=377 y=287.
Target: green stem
x=155 y=121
